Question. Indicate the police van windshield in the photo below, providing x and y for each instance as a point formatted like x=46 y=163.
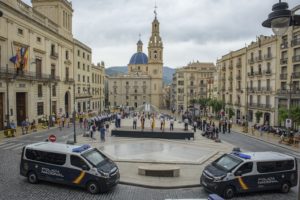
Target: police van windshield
x=227 y=162
x=94 y=157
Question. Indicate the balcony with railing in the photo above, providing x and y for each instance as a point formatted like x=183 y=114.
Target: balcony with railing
x=223 y=68
x=238 y=64
x=238 y=77
x=295 y=42
x=223 y=89
x=230 y=66
x=237 y=103
x=251 y=90
x=230 y=88
x=296 y=58
x=251 y=60
x=268 y=56
x=69 y=80
x=284 y=45
x=258 y=59
x=296 y=75
x=283 y=76
x=267 y=72
x=250 y=74
x=260 y=106
x=230 y=78
x=283 y=61
x=12 y=73
x=258 y=73
x=295 y=92
x=54 y=55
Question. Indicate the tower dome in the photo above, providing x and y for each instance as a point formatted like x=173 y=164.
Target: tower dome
x=138 y=58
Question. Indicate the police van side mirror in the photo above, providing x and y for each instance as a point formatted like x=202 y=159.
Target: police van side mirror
x=239 y=173
x=85 y=167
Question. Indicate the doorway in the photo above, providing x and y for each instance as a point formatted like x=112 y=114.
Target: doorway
x=21 y=107
x=267 y=118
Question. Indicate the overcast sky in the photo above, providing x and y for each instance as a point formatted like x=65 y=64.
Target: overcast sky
x=201 y=30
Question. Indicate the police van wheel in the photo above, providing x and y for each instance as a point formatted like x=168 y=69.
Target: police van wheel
x=93 y=187
x=285 y=187
x=32 y=178
x=228 y=192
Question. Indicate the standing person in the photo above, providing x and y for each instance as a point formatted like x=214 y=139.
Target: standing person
x=229 y=125
x=164 y=124
x=23 y=125
x=171 y=124
x=186 y=124
x=161 y=123
x=67 y=119
x=134 y=121
x=81 y=120
x=195 y=126
x=225 y=124
x=102 y=133
x=92 y=129
x=107 y=127
x=142 y=122
x=63 y=120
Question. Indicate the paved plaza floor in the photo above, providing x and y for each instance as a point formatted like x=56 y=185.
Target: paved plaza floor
x=191 y=156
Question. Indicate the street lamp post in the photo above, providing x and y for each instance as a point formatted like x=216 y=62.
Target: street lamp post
x=279 y=20
x=74 y=115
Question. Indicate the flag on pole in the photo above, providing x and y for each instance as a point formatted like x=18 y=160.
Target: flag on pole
x=24 y=54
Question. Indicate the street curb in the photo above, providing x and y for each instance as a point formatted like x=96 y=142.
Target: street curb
x=159 y=187
x=266 y=141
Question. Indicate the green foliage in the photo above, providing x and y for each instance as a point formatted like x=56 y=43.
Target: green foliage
x=216 y=105
x=258 y=115
x=282 y=114
x=230 y=112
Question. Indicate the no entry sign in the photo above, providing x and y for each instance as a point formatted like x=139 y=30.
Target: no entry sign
x=52 y=138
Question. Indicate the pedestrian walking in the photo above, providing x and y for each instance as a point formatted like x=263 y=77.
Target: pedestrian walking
x=107 y=127
x=92 y=130
x=161 y=123
x=67 y=119
x=229 y=125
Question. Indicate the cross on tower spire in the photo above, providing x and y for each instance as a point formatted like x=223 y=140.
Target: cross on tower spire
x=155 y=7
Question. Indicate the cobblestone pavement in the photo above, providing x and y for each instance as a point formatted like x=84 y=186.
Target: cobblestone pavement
x=14 y=187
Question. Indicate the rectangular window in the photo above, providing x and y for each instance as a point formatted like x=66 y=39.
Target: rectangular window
x=88 y=79
x=67 y=55
x=53 y=90
x=40 y=91
x=83 y=78
x=20 y=31
x=38 y=39
x=275 y=166
x=40 y=108
x=78 y=52
x=78 y=78
x=83 y=55
x=52 y=71
x=38 y=68
x=83 y=66
x=78 y=65
x=46 y=157
x=67 y=73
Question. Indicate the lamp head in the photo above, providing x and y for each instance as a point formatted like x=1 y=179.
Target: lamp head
x=279 y=20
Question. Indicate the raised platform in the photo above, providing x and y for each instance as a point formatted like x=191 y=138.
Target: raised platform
x=156 y=133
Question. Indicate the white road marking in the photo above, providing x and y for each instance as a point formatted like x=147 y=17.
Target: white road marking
x=6 y=145
x=13 y=146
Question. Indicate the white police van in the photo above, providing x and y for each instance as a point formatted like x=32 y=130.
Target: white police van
x=238 y=172
x=69 y=164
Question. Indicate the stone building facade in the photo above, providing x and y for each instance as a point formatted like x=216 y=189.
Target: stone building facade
x=37 y=59
x=193 y=81
x=143 y=83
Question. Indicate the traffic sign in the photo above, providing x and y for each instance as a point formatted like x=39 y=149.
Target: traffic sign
x=288 y=123
x=52 y=138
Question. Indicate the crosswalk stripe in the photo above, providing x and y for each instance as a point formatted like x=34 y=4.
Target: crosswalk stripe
x=13 y=146
x=20 y=147
x=6 y=145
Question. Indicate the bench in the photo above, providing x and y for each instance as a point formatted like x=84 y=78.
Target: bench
x=159 y=171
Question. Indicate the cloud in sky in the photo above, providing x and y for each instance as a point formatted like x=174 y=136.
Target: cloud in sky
x=201 y=30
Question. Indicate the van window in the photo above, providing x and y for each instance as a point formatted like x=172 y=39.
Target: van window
x=227 y=162
x=246 y=168
x=77 y=162
x=46 y=157
x=275 y=166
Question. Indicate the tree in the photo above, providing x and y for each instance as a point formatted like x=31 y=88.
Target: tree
x=258 y=115
x=230 y=112
x=295 y=115
x=282 y=114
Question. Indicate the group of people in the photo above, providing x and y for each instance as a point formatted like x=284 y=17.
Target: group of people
x=152 y=119
x=98 y=123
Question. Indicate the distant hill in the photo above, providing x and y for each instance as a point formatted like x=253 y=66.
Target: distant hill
x=117 y=70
